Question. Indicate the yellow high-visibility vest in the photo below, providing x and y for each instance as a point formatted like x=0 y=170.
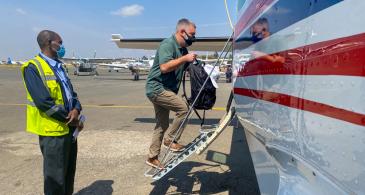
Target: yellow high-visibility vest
x=39 y=122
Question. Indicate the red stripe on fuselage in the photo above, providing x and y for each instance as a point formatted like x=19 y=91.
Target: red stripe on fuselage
x=344 y=56
x=303 y=104
x=253 y=11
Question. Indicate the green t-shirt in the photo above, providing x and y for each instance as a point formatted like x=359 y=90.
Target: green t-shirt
x=168 y=50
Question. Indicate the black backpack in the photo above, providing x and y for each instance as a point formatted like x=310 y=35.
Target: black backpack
x=198 y=75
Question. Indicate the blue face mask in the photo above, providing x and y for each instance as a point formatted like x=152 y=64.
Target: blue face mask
x=61 y=52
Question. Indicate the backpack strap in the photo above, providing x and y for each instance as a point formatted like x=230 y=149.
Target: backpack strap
x=183 y=83
x=186 y=96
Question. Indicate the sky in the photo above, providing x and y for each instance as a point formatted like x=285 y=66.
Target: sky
x=86 y=26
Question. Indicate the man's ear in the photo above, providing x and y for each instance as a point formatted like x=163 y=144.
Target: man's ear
x=50 y=46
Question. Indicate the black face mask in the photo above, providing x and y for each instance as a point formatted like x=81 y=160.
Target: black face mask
x=256 y=37
x=189 y=39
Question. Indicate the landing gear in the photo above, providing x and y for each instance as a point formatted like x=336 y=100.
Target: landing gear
x=136 y=77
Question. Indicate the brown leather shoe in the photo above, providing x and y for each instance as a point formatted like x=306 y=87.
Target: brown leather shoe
x=175 y=147
x=155 y=163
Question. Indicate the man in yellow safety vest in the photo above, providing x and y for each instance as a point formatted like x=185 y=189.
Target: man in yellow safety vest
x=53 y=112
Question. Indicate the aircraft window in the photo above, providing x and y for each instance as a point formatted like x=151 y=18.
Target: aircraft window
x=279 y=16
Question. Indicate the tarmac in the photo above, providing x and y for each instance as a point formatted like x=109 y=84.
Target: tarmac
x=113 y=146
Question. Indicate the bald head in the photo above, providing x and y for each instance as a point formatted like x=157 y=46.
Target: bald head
x=45 y=37
x=49 y=42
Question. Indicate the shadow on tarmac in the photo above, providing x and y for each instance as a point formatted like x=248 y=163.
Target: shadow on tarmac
x=118 y=79
x=99 y=187
x=240 y=178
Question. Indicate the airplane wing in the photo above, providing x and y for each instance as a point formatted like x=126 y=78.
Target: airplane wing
x=114 y=65
x=201 y=44
x=212 y=60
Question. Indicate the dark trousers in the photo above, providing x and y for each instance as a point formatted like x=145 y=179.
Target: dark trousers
x=59 y=163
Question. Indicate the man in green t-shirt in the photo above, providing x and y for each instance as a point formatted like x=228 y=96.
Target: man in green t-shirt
x=163 y=83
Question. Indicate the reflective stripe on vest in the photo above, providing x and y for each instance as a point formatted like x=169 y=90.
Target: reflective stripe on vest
x=51 y=78
x=40 y=70
x=31 y=103
x=38 y=122
x=53 y=110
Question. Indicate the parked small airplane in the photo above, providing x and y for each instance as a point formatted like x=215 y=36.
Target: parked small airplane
x=140 y=67
x=9 y=61
x=116 y=66
x=85 y=67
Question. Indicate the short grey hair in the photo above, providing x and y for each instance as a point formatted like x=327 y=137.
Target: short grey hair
x=183 y=23
x=45 y=37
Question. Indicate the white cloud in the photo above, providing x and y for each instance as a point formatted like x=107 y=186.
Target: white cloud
x=20 y=11
x=130 y=10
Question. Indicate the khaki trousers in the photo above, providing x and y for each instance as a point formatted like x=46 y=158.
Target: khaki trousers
x=163 y=103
